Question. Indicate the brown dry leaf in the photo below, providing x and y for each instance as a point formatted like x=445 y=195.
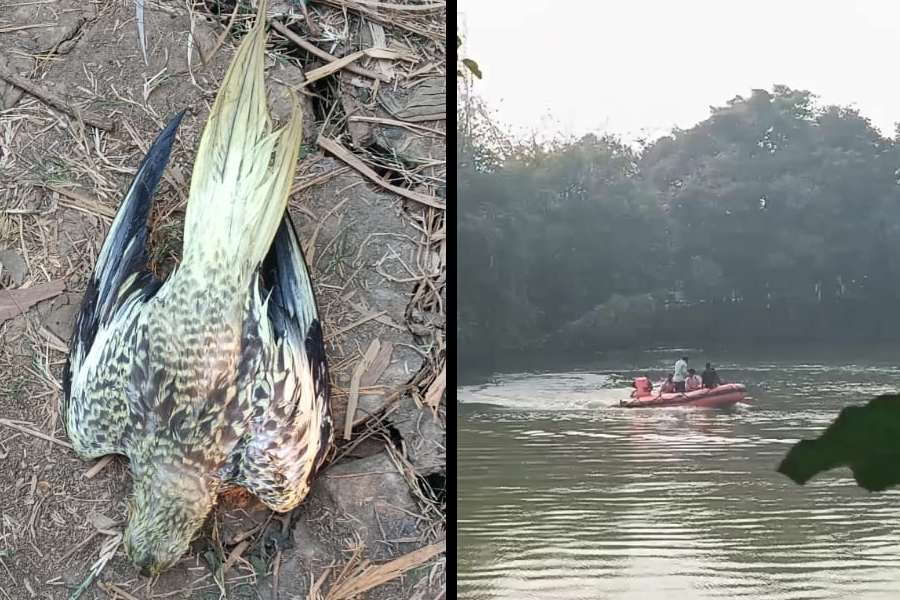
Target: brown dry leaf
x=379 y=40
x=378 y=366
x=15 y=302
x=361 y=368
x=436 y=389
x=426 y=102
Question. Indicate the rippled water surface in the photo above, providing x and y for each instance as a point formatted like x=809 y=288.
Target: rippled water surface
x=563 y=495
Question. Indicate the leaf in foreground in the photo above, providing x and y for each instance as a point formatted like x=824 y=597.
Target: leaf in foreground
x=472 y=66
x=864 y=438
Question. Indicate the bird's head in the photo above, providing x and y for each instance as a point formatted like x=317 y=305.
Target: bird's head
x=164 y=514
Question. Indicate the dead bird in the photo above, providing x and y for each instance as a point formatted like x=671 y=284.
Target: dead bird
x=217 y=376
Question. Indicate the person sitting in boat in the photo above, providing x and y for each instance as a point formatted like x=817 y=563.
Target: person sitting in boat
x=710 y=378
x=693 y=381
x=668 y=387
x=642 y=387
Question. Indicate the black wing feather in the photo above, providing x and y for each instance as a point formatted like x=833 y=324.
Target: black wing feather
x=124 y=250
x=288 y=280
x=292 y=305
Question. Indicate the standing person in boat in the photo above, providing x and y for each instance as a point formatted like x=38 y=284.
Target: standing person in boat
x=694 y=381
x=680 y=374
x=710 y=377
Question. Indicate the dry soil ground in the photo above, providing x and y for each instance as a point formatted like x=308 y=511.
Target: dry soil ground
x=78 y=107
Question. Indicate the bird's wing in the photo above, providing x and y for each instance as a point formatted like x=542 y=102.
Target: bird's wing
x=106 y=326
x=286 y=445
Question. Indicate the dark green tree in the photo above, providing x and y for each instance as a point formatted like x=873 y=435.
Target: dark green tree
x=774 y=218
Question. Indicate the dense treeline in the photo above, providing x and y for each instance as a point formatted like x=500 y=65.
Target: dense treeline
x=773 y=219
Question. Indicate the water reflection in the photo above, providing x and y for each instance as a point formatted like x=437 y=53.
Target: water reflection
x=563 y=495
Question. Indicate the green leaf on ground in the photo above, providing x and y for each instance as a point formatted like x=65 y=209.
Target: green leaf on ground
x=864 y=438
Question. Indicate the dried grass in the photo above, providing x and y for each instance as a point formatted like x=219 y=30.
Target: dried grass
x=360 y=576
x=108 y=550
x=348 y=157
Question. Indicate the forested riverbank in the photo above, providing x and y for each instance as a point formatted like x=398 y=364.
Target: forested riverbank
x=775 y=219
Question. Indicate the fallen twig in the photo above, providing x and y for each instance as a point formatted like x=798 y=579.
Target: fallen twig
x=341 y=63
x=313 y=28
x=53 y=340
x=391 y=20
x=99 y=466
x=411 y=126
x=358 y=372
x=276 y=570
x=312 y=49
x=319 y=179
x=368 y=576
x=310 y=248
x=206 y=57
x=78 y=546
x=400 y=7
x=353 y=325
x=349 y=158
x=17 y=425
x=314 y=589
x=85 y=204
x=430 y=117
x=372 y=421
x=234 y=555
x=48 y=97
x=12 y=28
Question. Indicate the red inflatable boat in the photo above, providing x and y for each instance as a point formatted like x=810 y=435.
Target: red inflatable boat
x=723 y=395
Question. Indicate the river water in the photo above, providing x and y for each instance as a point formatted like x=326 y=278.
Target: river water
x=563 y=495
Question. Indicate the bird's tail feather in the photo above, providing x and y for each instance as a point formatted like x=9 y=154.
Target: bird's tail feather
x=239 y=189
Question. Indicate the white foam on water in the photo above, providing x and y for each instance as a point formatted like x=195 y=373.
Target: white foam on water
x=547 y=391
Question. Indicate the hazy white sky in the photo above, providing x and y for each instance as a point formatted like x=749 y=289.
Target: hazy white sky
x=628 y=66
